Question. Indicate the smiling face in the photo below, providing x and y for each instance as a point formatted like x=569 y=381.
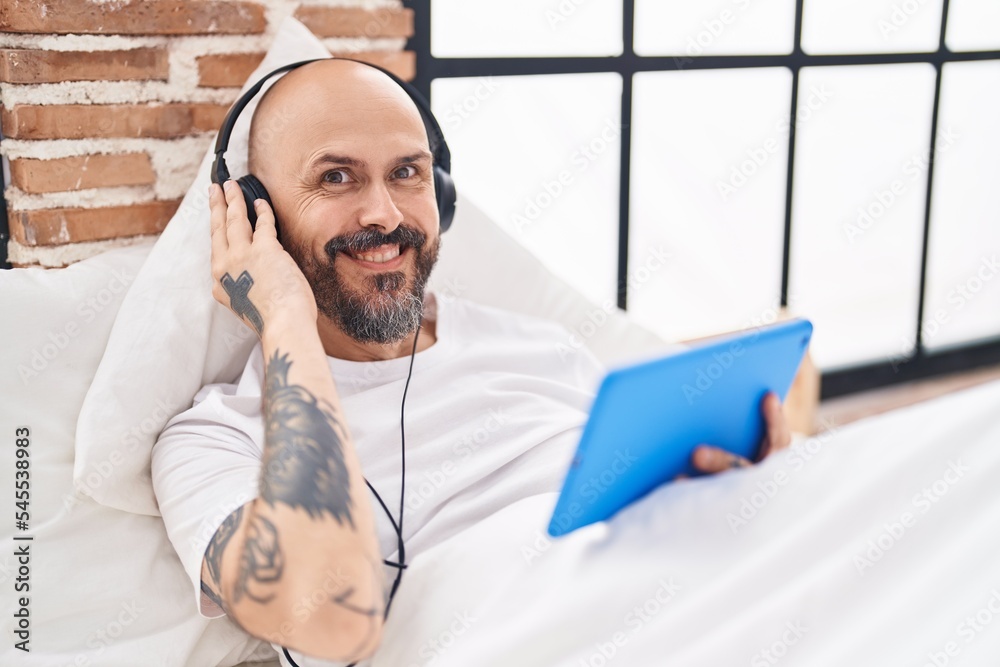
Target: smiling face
x=343 y=153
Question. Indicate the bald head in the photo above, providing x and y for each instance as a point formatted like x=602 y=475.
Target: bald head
x=295 y=107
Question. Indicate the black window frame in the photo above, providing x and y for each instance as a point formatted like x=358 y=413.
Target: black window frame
x=861 y=377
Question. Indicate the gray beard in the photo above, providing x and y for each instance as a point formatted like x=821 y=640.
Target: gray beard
x=385 y=317
x=385 y=311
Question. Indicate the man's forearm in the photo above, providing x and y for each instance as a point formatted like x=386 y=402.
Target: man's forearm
x=311 y=534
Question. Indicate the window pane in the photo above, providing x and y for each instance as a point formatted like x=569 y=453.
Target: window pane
x=708 y=191
x=540 y=155
x=973 y=25
x=713 y=27
x=871 y=26
x=486 y=28
x=963 y=274
x=858 y=209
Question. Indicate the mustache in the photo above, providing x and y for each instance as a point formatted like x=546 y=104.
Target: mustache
x=372 y=238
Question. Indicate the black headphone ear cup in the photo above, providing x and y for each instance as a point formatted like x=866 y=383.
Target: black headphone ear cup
x=444 y=191
x=252 y=190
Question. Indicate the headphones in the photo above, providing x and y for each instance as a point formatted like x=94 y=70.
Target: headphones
x=252 y=188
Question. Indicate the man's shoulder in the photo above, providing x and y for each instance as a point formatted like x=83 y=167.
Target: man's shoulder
x=497 y=320
x=222 y=402
x=247 y=383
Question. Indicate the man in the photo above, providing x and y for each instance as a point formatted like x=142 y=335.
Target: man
x=260 y=483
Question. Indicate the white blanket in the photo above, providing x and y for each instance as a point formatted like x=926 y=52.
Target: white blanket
x=877 y=545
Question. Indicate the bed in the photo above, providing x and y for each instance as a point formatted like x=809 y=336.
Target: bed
x=873 y=543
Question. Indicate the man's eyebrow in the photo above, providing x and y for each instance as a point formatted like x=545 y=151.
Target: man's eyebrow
x=416 y=157
x=330 y=158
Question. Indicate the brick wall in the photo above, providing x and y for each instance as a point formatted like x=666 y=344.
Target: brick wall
x=108 y=106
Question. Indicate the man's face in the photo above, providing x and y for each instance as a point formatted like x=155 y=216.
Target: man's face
x=352 y=185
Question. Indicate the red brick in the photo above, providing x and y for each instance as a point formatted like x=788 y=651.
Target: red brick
x=138 y=17
x=37 y=66
x=46 y=226
x=227 y=69
x=233 y=69
x=353 y=22
x=80 y=172
x=79 y=121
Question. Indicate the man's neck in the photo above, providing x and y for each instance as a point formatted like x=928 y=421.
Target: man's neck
x=339 y=345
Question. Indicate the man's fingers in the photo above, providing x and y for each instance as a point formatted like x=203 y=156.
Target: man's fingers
x=237 y=224
x=778 y=435
x=217 y=224
x=714 y=460
x=265 y=220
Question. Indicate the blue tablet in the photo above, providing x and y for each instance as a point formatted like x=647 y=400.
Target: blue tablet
x=648 y=417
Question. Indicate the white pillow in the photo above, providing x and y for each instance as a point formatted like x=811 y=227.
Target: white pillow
x=56 y=329
x=171 y=337
x=58 y=326
x=481 y=262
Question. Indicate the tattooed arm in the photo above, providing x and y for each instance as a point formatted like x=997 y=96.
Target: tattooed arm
x=299 y=565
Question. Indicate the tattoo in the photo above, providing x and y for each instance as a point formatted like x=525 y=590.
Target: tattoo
x=342 y=600
x=365 y=638
x=262 y=561
x=213 y=554
x=304 y=464
x=239 y=299
x=303 y=467
x=213 y=597
x=213 y=558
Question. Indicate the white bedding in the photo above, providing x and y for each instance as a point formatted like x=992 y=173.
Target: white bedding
x=500 y=593
x=108 y=590
x=106 y=587
x=799 y=580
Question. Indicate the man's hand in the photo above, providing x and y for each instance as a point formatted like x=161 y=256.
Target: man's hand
x=777 y=437
x=254 y=276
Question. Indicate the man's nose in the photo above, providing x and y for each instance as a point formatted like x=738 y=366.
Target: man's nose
x=378 y=208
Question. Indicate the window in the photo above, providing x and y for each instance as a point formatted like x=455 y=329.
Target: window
x=706 y=163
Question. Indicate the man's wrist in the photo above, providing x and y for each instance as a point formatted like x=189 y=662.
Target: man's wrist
x=284 y=322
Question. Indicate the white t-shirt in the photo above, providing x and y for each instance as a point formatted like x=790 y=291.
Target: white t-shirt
x=494 y=411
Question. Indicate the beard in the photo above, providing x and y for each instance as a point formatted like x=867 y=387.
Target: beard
x=385 y=309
